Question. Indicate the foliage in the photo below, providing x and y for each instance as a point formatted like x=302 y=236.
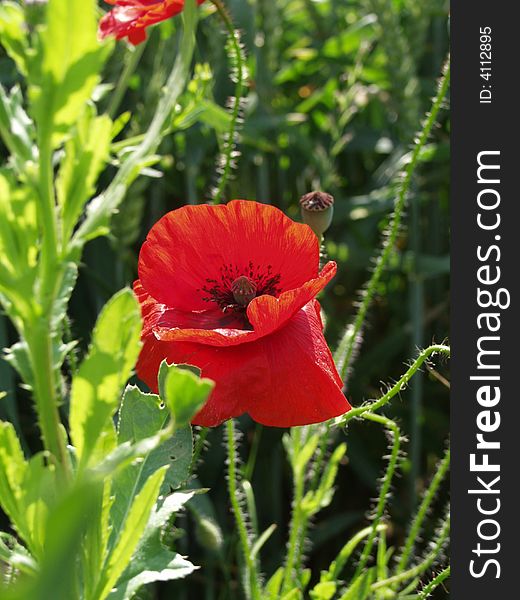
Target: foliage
x=99 y=141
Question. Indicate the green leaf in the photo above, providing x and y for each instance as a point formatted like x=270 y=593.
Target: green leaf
x=16 y=128
x=13 y=33
x=134 y=526
x=183 y=392
x=208 y=532
x=274 y=585
x=13 y=467
x=142 y=416
x=26 y=489
x=360 y=587
x=324 y=590
x=18 y=236
x=322 y=497
x=18 y=357
x=86 y=154
x=36 y=499
x=96 y=387
x=66 y=527
x=65 y=71
x=15 y=555
x=152 y=561
x=95 y=544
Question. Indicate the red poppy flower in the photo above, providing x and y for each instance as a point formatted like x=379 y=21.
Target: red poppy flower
x=130 y=18
x=230 y=289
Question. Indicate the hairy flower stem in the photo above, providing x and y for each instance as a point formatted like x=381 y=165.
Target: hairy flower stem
x=251 y=576
x=424 y=565
x=240 y=74
x=415 y=529
x=38 y=331
x=350 y=340
x=197 y=450
x=295 y=539
x=435 y=582
x=395 y=389
x=385 y=487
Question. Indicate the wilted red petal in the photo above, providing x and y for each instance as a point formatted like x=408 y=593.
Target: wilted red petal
x=192 y=244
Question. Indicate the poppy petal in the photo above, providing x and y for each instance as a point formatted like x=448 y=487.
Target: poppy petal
x=267 y=313
x=194 y=245
x=130 y=18
x=282 y=380
x=305 y=386
x=229 y=367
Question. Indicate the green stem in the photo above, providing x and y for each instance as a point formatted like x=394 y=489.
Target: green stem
x=350 y=340
x=45 y=392
x=251 y=576
x=240 y=74
x=435 y=582
x=39 y=333
x=49 y=228
x=430 y=558
x=385 y=487
x=395 y=389
x=253 y=453
x=122 y=84
x=415 y=529
x=199 y=446
x=297 y=524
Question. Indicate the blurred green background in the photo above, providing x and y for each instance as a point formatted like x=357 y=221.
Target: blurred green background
x=337 y=90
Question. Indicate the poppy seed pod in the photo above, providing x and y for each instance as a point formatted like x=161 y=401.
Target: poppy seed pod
x=317 y=209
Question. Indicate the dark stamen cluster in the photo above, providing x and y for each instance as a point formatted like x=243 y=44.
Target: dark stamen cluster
x=223 y=290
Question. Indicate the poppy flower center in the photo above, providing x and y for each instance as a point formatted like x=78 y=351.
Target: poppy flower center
x=235 y=287
x=244 y=290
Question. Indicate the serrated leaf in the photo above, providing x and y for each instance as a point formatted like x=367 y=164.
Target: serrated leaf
x=13 y=467
x=18 y=231
x=37 y=496
x=16 y=128
x=142 y=416
x=183 y=392
x=134 y=526
x=66 y=70
x=96 y=388
x=86 y=154
x=152 y=561
x=13 y=35
x=18 y=357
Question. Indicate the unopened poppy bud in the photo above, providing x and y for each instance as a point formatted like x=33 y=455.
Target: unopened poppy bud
x=317 y=209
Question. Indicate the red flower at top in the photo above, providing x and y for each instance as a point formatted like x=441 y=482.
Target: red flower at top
x=130 y=18
x=231 y=289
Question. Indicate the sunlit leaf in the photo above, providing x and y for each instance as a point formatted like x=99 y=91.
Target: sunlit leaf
x=142 y=416
x=133 y=528
x=152 y=561
x=65 y=71
x=96 y=387
x=184 y=392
